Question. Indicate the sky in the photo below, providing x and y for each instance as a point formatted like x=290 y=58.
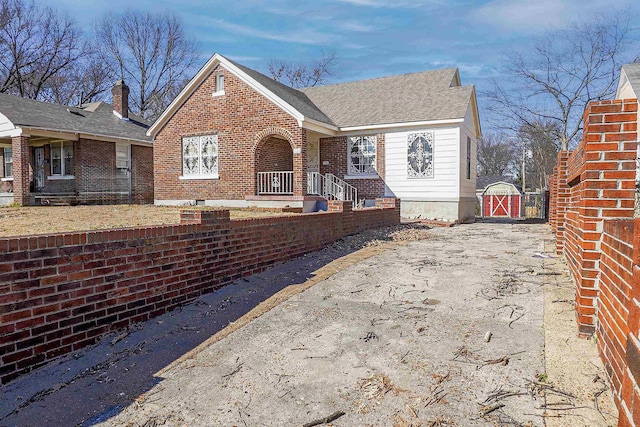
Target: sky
x=371 y=38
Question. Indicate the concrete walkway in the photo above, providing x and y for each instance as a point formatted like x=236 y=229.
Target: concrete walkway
x=446 y=331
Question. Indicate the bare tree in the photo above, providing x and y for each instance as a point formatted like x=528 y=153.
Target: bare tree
x=300 y=75
x=563 y=71
x=36 y=45
x=86 y=82
x=540 y=142
x=496 y=154
x=151 y=52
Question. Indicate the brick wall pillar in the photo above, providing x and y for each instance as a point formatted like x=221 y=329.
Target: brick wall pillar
x=203 y=217
x=21 y=170
x=346 y=208
x=630 y=390
x=606 y=191
x=562 y=194
x=390 y=202
x=552 y=200
x=300 y=165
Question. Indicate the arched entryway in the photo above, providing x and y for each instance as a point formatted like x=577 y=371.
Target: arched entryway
x=274 y=166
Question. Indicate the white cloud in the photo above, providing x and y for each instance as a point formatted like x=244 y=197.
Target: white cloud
x=525 y=16
x=392 y=4
x=297 y=36
x=357 y=27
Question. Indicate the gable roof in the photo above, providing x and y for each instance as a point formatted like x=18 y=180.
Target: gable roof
x=95 y=119
x=297 y=99
x=428 y=95
x=630 y=73
x=409 y=98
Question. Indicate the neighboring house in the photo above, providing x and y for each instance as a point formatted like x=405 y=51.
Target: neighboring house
x=498 y=196
x=235 y=137
x=96 y=153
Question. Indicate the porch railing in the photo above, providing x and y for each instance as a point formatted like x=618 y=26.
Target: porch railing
x=280 y=182
x=331 y=187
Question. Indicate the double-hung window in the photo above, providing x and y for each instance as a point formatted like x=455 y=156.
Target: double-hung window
x=62 y=159
x=200 y=157
x=8 y=163
x=362 y=155
x=219 y=82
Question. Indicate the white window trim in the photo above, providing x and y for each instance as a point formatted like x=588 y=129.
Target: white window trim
x=218 y=92
x=54 y=177
x=4 y=166
x=362 y=175
x=60 y=177
x=190 y=177
x=214 y=175
x=433 y=150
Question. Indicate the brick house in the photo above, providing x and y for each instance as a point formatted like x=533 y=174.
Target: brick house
x=95 y=153
x=235 y=137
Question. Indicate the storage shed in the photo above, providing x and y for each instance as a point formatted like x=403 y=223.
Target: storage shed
x=500 y=198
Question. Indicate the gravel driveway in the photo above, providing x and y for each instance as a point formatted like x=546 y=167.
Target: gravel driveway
x=445 y=331
x=397 y=339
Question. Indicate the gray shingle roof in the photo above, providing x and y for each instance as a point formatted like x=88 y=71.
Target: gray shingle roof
x=95 y=119
x=427 y=95
x=293 y=97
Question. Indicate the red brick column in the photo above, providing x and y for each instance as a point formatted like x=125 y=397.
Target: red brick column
x=21 y=170
x=606 y=190
x=553 y=199
x=562 y=194
x=346 y=208
x=390 y=202
x=629 y=402
x=300 y=165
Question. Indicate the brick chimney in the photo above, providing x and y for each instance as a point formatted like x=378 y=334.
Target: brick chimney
x=120 y=92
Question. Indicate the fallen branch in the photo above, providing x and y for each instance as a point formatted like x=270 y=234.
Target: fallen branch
x=325 y=420
x=235 y=371
x=486 y=410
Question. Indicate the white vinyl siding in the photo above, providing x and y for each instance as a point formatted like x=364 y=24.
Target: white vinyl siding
x=444 y=185
x=468 y=186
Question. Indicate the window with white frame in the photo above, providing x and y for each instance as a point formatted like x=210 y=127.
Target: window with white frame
x=62 y=158
x=362 y=155
x=8 y=162
x=200 y=156
x=219 y=89
x=122 y=156
x=420 y=155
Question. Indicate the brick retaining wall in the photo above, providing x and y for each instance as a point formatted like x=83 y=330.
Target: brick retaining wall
x=62 y=292
x=593 y=195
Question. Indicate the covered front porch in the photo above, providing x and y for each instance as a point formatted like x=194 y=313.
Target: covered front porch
x=279 y=181
x=44 y=169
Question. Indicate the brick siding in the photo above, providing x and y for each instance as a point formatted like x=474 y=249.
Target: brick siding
x=241 y=118
x=592 y=195
x=334 y=151
x=62 y=292
x=274 y=154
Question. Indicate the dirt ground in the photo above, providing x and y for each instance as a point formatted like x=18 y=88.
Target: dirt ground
x=468 y=326
x=20 y=221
